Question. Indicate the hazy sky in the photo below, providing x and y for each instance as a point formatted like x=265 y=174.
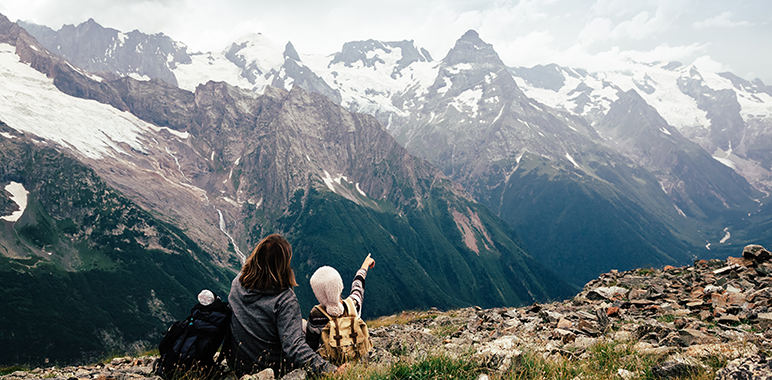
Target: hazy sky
x=595 y=35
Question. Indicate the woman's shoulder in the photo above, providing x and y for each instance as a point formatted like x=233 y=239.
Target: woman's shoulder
x=283 y=294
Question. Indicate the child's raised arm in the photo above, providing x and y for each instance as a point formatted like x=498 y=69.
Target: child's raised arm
x=369 y=262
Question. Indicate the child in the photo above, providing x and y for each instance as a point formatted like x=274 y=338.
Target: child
x=328 y=286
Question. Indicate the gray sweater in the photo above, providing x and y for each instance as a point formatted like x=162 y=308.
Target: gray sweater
x=266 y=328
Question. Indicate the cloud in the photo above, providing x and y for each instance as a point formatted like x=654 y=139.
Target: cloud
x=720 y=21
x=538 y=48
x=643 y=26
x=529 y=50
x=706 y=63
x=666 y=53
x=616 y=59
x=617 y=8
x=599 y=29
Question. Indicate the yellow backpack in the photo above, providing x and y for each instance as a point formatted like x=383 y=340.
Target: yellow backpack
x=344 y=338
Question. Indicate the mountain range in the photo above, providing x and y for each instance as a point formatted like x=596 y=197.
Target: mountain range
x=520 y=183
x=124 y=197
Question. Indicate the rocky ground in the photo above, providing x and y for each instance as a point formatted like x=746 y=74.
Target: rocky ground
x=711 y=311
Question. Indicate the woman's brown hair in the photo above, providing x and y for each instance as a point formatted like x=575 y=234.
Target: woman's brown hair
x=268 y=266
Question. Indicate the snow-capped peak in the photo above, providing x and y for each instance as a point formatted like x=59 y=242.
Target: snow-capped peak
x=257 y=49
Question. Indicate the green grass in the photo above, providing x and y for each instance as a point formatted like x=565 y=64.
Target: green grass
x=532 y=366
x=645 y=272
x=9 y=370
x=438 y=367
x=602 y=361
x=435 y=367
x=667 y=318
x=446 y=330
x=399 y=319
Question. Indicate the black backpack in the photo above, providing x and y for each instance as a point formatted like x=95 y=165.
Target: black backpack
x=190 y=345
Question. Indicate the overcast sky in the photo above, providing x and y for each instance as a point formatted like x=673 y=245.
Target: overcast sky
x=594 y=34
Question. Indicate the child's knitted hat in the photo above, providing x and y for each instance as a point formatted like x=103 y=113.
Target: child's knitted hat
x=328 y=286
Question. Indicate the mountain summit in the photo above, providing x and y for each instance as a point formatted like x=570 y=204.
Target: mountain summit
x=473 y=50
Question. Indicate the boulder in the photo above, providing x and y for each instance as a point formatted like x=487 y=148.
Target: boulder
x=627 y=375
x=726 y=351
x=607 y=293
x=692 y=336
x=727 y=269
x=740 y=261
x=710 y=289
x=675 y=368
x=756 y=253
x=757 y=367
x=380 y=356
x=564 y=336
x=499 y=354
x=728 y=319
x=297 y=374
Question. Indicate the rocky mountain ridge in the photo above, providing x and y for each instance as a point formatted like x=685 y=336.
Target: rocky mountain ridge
x=373 y=76
x=130 y=54
x=726 y=115
x=714 y=317
x=699 y=185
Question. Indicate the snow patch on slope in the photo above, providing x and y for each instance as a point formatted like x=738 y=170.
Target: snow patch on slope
x=207 y=66
x=754 y=105
x=141 y=78
x=568 y=156
x=726 y=162
x=370 y=89
x=677 y=108
x=30 y=102
x=222 y=226
x=360 y=190
x=468 y=101
x=328 y=180
x=726 y=237
x=18 y=195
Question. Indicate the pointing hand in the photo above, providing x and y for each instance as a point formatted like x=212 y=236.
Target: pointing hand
x=369 y=262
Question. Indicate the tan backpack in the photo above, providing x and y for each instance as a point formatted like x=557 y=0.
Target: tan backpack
x=344 y=338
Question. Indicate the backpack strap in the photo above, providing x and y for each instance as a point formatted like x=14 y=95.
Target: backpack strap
x=352 y=313
x=320 y=308
x=334 y=321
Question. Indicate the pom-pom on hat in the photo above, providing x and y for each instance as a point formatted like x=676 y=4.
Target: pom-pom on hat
x=328 y=286
x=206 y=297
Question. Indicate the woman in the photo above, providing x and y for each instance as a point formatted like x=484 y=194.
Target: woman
x=266 y=326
